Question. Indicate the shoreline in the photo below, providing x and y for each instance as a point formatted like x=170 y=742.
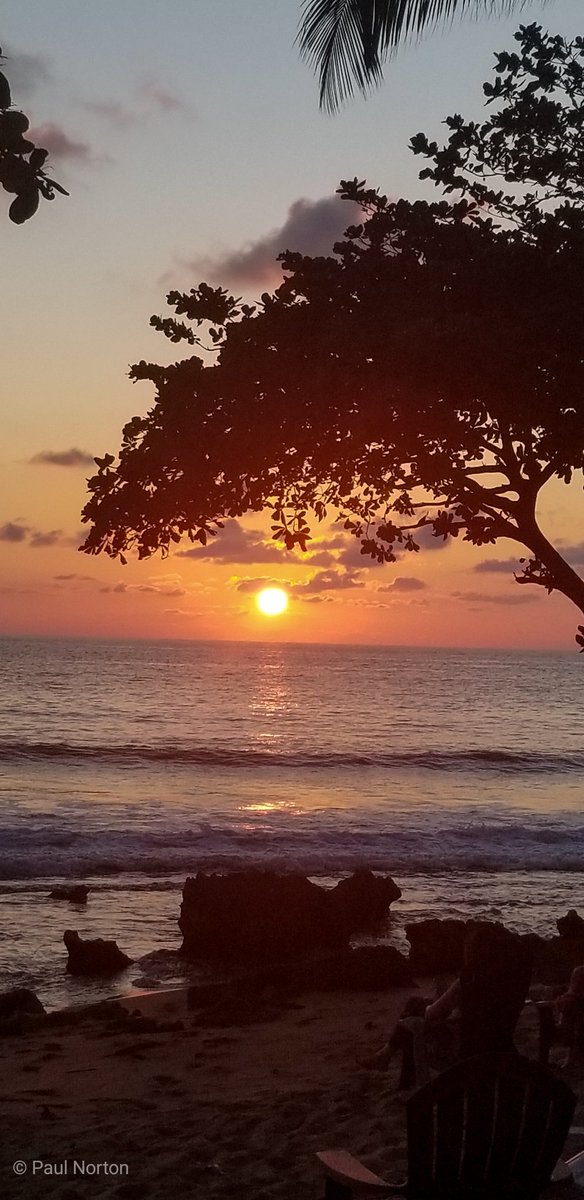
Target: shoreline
x=144 y=918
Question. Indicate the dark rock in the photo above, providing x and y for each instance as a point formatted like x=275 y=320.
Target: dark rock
x=76 y=893
x=363 y=969
x=436 y=946
x=362 y=901
x=255 y=916
x=20 y=1011
x=20 y=1002
x=161 y=964
x=554 y=958
x=571 y=926
x=95 y=956
x=259 y=916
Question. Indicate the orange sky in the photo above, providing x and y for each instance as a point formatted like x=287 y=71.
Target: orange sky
x=186 y=159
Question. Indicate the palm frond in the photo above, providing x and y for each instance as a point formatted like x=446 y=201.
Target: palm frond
x=347 y=41
x=335 y=38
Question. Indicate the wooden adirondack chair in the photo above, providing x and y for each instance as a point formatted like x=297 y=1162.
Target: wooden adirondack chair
x=490 y=1128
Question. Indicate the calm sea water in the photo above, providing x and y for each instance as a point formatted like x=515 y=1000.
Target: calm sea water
x=130 y=764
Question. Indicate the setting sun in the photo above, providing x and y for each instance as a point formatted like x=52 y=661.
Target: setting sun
x=272 y=601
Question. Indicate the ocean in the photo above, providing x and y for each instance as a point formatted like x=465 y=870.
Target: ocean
x=128 y=765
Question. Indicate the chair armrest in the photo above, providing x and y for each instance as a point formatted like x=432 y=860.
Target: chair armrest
x=576 y=1166
x=562 y=1172
x=347 y=1170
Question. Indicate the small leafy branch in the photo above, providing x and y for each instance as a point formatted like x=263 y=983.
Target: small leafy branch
x=21 y=162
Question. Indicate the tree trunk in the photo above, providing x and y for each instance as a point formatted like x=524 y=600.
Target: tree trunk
x=562 y=575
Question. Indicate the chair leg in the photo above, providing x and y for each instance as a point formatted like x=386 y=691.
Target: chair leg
x=407 y=1076
x=547 y=1032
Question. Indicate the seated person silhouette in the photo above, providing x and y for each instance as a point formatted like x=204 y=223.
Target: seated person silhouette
x=562 y=1021
x=478 y=1013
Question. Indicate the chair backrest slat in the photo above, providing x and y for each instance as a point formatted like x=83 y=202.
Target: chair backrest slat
x=490 y=1128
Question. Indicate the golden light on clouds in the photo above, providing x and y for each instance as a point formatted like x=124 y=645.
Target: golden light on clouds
x=272 y=601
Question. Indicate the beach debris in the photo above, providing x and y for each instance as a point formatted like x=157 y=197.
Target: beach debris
x=93 y=956
x=75 y=893
x=260 y=916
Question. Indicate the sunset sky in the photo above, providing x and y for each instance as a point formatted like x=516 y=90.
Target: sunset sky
x=189 y=137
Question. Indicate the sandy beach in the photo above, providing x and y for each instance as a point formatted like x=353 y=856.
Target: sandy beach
x=101 y=1109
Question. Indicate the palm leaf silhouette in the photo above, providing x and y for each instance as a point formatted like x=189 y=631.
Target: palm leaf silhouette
x=347 y=41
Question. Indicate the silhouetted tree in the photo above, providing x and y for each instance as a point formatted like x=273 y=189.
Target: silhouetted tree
x=347 y=41
x=21 y=162
x=431 y=373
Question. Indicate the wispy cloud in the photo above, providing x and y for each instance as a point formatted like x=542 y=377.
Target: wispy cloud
x=166 y=590
x=514 y=598
x=234 y=544
x=404 y=583
x=311 y=227
x=14 y=531
x=62 y=147
x=114 y=112
x=41 y=540
x=496 y=566
x=148 y=99
x=163 y=98
x=36 y=539
x=25 y=72
x=73 y=578
x=322 y=581
x=62 y=458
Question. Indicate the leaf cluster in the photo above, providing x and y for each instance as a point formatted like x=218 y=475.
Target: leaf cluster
x=21 y=162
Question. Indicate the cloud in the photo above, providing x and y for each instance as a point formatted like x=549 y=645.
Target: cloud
x=112 y=111
x=328 y=581
x=323 y=581
x=321 y=558
x=40 y=540
x=573 y=553
x=52 y=137
x=497 y=565
x=427 y=540
x=150 y=97
x=25 y=72
x=351 y=556
x=165 y=590
x=311 y=227
x=13 y=531
x=404 y=583
x=74 y=578
x=163 y=98
x=63 y=458
x=234 y=544
x=497 y=598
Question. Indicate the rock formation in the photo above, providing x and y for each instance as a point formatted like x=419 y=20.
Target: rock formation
x=94 y=956
x=76 y=893
x=260 y=916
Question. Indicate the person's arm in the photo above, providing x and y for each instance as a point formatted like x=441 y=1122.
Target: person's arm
x=445 y=1004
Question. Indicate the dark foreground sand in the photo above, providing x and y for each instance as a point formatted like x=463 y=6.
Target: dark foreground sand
x=234 y=1111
